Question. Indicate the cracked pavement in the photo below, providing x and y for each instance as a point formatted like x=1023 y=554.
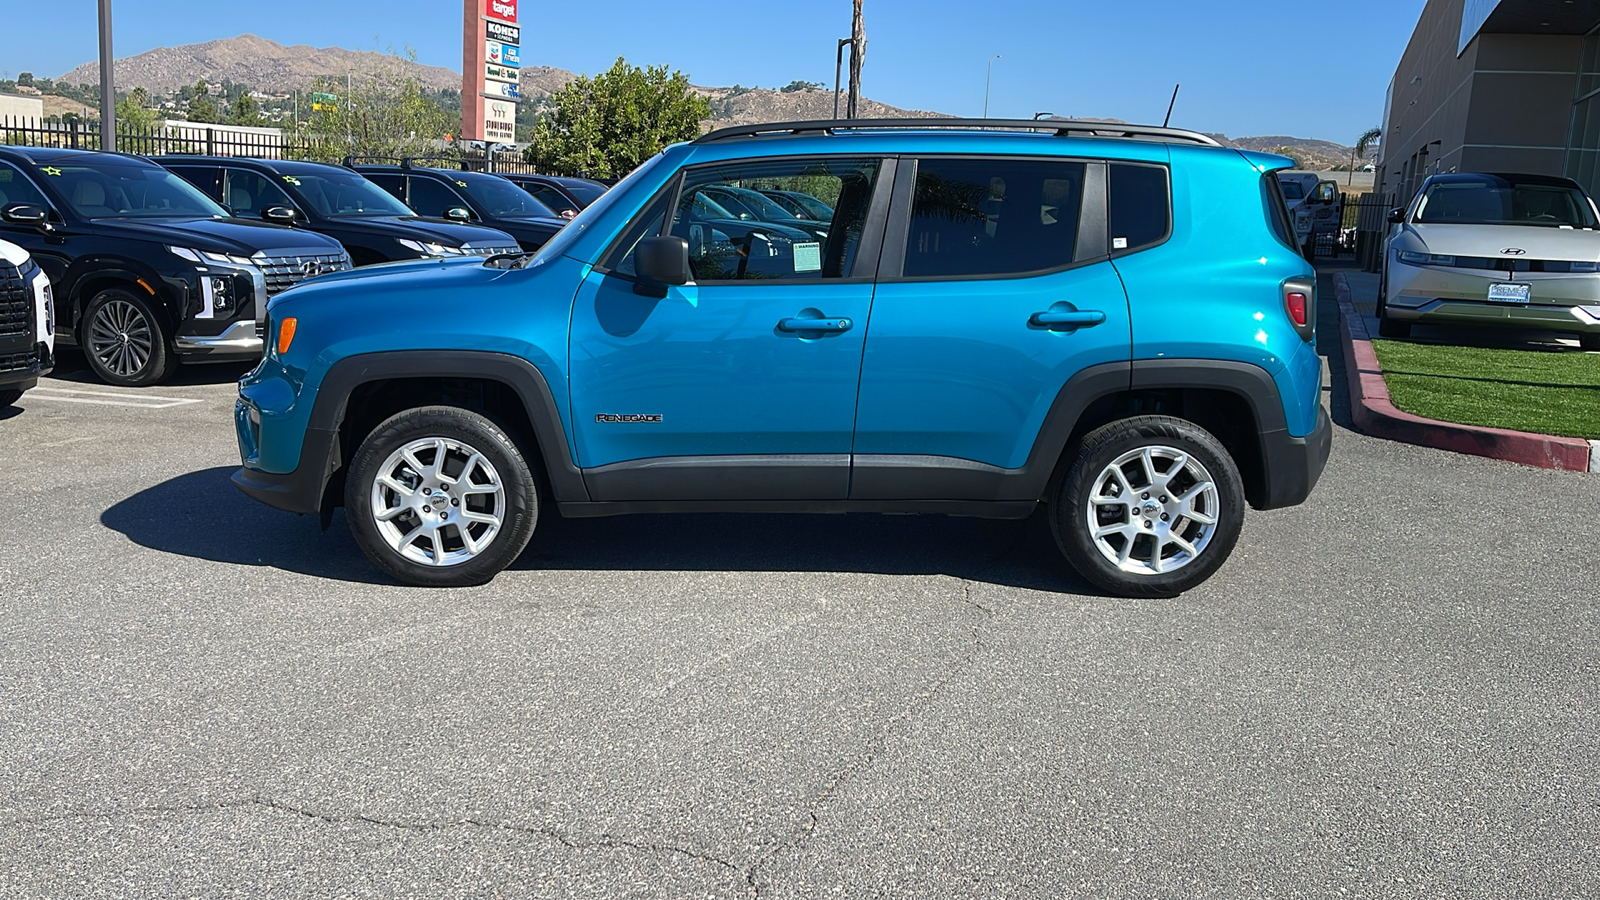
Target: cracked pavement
x=1388 y=692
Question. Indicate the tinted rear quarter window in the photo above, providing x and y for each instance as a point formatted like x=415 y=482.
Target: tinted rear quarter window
x=1140 y=207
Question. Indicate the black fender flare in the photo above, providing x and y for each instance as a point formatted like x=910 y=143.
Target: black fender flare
x=320 y=452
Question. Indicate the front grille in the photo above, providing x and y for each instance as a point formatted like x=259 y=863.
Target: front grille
x=491 y=251
x=284 y=272
x=16 y=299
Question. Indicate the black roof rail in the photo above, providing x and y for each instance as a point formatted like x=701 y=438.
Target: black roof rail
x=1061 y=128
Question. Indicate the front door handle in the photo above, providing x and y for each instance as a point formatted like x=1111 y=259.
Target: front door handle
x=802 y=324
x=1086 y=318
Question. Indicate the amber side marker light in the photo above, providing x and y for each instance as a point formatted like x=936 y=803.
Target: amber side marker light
x=285 y=335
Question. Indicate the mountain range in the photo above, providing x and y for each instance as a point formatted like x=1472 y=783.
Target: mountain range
x=271 y=67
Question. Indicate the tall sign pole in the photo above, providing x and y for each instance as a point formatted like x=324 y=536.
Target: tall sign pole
x=108 y=84
x=491 y=62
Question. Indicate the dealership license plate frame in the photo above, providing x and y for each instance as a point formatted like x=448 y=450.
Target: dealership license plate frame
x=1511 y=292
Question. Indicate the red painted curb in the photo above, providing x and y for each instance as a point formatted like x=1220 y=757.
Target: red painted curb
x=1376 y=415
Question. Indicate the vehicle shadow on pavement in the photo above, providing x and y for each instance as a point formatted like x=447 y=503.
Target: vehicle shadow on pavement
x=201 y=515
x=70 y=366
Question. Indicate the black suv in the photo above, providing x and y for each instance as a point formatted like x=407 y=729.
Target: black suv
x=145 y=269
x=469 y=197
x=567 y=196
x=339 y=203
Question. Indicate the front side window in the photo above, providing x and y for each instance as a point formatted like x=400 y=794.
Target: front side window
x=1491 y=200
x=250 y=194
x=16 y=188
x=720 y=209
x=976 y=217
x=430 y=198
x=1139 y=210
x=123 y=190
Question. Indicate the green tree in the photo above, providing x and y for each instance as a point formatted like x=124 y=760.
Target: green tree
x=1358 y=154
x=202 y=108
x=133 y=111
x=606 y=126
x=25 y=79
x=384 y=112
x=245 y=111
x=794 y=86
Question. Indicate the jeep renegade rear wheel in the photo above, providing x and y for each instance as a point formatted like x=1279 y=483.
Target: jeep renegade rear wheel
x=1151 y=507
x=440 y=497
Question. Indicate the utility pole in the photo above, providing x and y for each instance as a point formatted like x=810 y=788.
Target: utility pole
x=858 y=51
x=108 y=85
x=838 y=65
x=986 y=80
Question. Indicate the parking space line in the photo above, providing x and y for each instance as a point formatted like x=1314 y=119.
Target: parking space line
x=106 y=398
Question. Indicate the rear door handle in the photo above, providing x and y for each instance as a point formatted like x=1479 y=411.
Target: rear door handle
x=799 y=324
x=1075 y=318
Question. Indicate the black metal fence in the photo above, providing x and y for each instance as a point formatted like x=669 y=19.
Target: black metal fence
x=226 y=140
x=1363 y=224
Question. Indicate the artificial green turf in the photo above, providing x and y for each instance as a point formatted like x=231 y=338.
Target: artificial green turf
x=1525 y=390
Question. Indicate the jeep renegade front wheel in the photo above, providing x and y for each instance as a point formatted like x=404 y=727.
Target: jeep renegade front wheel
x=1150 y=507
x=440 y=497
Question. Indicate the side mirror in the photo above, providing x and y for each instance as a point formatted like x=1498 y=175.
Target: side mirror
x=1397 y=215
x=27 y=214
x=1325 y=192
x=459 y=213
x=283 y=215
x=662 y=260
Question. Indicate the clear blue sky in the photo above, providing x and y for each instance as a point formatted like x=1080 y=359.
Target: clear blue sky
x=1236 y=59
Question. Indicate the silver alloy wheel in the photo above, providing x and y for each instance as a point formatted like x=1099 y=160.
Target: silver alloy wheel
x=1153 y=510
x=120 y=338
x=438 y=501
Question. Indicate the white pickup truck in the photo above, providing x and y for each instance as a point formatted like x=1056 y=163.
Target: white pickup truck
x=1313 y=206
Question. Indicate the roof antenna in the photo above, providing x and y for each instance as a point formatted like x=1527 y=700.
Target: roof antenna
x=1170 y=105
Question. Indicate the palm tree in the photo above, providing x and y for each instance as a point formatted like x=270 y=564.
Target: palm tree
x=1359 y=152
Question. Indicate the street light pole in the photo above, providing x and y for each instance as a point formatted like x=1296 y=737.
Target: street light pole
x=986 y=80
x=108 y=86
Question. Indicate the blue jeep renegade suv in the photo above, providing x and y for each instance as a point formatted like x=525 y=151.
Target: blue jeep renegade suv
x=1113 y=322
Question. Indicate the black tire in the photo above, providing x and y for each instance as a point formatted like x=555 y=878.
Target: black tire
x=9 y=396
x=144 y=353
x=518 y=508
x=1391 y=328
x=1070 y=517
x=1586 y=341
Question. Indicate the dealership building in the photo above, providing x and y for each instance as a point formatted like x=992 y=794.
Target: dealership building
x=1495 y=86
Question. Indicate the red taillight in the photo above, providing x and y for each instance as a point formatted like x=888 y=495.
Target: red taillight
x=1296 y=303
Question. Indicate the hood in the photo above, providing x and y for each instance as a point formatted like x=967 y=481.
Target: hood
x=239 y=237
x=537 y=221
x=422 y=228
x=1488 y=240
x=538 y=230
x=393 y=278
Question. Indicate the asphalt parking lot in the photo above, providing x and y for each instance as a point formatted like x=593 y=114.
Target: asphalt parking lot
x=1390 y=691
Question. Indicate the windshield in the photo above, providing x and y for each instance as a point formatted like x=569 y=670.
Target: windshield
x=128 y=190
x=1500 y=201
x=500 y=199
x=340 y=192
x=585 y=191
x=597 y=210
x=1293 y=190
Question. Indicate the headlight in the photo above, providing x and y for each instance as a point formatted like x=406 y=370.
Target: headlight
x=429 y=249
x=1413 y=258
x=205 y=256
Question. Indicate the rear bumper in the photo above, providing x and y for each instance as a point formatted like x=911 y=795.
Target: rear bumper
x=1293 y=464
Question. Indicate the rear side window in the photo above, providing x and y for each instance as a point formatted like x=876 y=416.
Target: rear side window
x=202 y=177
x=993 y=217
x=1139 y=211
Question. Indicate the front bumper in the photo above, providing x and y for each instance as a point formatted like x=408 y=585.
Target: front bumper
x=1435 y=295
x=1293 y=465
x=299 y=491
x=240 y=339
